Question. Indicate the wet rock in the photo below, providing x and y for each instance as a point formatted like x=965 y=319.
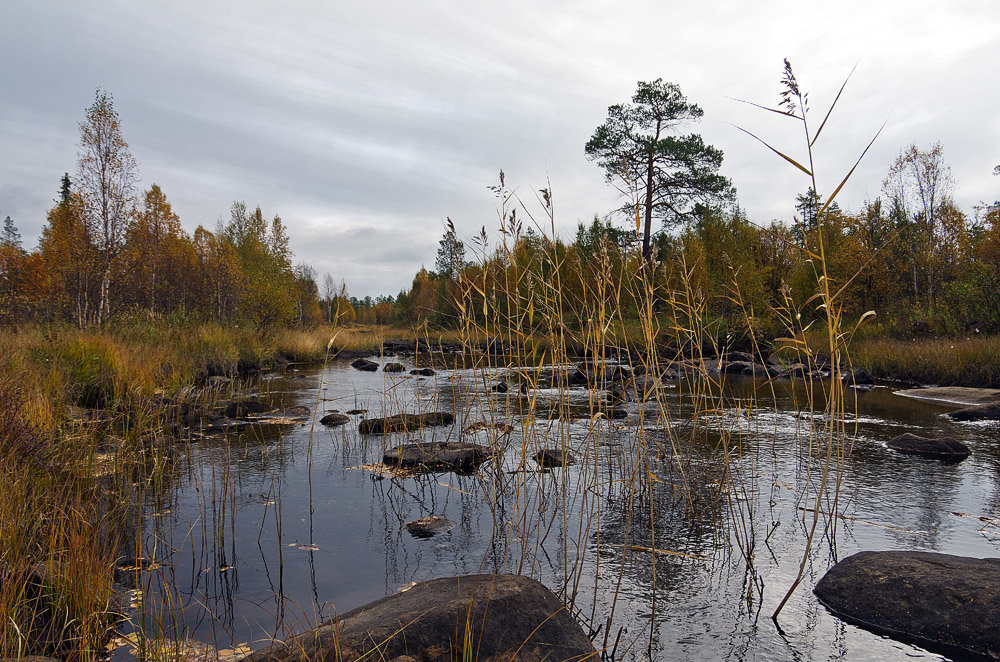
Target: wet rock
x=598 y=375
x=446 y=455
x=423 y=372
x=243 y=408
x=365 y=365
x=945 y=449
x=738 y=357
x=333 y=420
x=514 y=619
x=282 y=416
x=429 y=526
x=988 y=412
x=554 y=457
x=393 y=367
x=948 y=604
x=500 y=387
x=405 y=422
x=857 y=377
x=355 y=412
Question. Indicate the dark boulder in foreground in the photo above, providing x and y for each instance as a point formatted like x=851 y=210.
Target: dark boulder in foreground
x=393 y=367
x=429 y=526
x=988 y=412
x=365 y=365
x=445 y=455
x=554 y=457
x=948 y=604
x=333 y=420
x=404 y=422
x=512 y=618
x=945 y=449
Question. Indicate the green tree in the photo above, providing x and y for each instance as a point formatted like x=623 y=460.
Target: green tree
x=10 y=237
x=664 y=175
x=450 y=254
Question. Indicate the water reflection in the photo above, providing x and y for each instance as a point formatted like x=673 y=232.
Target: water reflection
x=270 y=529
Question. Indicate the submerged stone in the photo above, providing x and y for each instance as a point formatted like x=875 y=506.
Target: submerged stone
x=945 y=449
x=429 y=526
x=445 y=455
x=404 y=422
x=333 y=420
x=393 y=367
x=512 y=618
x=945 y=603
x=554 y=457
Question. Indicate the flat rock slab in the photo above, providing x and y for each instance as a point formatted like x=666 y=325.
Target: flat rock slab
x=954 y=395
x=405 y=422
x=447 y=455
x=945 y=449
x=987 y=412
x=429 y=526
x=947 y=604
x=511 y=618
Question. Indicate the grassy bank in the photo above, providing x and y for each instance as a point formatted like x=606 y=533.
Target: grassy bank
x=945 y=362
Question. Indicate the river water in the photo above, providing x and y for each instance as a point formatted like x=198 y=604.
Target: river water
x=264 y=532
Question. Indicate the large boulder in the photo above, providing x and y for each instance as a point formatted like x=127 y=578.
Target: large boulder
x=945 y=449
x=445 y=455
x=482 y=617
x=948 y=604
x=554 y=457
x=988 y=412
x=405 y=422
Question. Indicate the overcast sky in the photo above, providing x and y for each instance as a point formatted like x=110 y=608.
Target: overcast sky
x=365 y=125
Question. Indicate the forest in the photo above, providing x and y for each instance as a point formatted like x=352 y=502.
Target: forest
x=925 y=267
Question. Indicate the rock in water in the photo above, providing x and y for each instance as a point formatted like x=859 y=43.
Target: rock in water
x=512 y=618
x=989 y=412
x=425 y=527
x=949 y=604
x=446 y=455
x=423 y=372
x=393 y=367
x=243 y=408
x=554 y=457
x=404 y=422
x=365 y=365
x=945 y=449
x=333 y=420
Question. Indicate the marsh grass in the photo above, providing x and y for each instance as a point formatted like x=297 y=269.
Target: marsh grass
x=944 y=362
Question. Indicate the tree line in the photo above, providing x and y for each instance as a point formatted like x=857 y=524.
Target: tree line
x=911 y=255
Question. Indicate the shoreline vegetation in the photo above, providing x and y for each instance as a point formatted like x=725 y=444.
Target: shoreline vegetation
x=112 y=326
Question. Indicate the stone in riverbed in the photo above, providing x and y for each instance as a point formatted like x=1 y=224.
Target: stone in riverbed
x=393 y=367
x=988 y=412
x=365 y=365
x=554 y=457
x=333 y=420
x=423 y=372
x=458 y=456
x=244 y=408
x=404 y=422
x=429 y=526
x=949 y=604
x=513 y=618
x=945 y=449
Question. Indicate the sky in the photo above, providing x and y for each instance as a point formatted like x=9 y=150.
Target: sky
x=366 y=125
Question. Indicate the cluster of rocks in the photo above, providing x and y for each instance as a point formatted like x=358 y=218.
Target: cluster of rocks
x=367 y=365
